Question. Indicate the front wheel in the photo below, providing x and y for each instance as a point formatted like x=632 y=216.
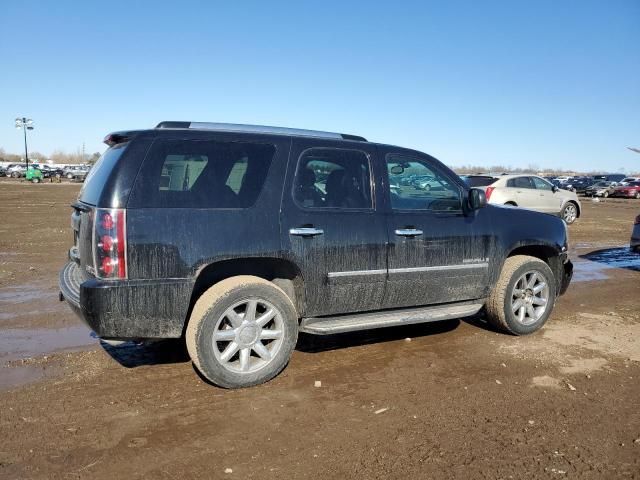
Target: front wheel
x=637 y=195
x=36 y=180
x=569 y=213
x=523 y=297
x=605 y=194
x=242 y=332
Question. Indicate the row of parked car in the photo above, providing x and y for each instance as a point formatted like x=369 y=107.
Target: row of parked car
x=37 y=172
x=612 y=185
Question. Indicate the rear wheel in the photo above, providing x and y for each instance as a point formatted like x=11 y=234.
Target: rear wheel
x=242 y=332
x=36 y=180
x=523 y=297
x=637 y=195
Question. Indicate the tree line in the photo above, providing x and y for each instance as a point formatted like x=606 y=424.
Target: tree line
x=57 y=156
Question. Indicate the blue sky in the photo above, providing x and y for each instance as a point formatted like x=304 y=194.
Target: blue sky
x=550 y=83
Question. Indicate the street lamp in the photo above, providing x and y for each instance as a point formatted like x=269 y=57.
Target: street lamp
x=25 y=124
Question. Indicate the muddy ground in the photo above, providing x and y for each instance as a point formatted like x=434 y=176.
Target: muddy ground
x=456 y=401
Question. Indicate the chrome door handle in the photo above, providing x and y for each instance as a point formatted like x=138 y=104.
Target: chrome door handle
x=408 y=232
x=306 y=231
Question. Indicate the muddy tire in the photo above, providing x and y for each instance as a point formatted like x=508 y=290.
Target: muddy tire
x=242 y=332
x=523 y=297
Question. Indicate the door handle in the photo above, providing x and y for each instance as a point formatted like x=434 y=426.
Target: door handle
x=408 y=232
x=306 y=231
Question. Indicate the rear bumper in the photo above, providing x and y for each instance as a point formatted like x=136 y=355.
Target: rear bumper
x=130 y=309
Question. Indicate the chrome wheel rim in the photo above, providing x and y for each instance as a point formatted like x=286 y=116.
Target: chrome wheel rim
x=248 y=336
x=570 y=213
x=530 y=298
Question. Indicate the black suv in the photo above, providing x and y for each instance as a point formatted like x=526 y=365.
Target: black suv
x=239 y=237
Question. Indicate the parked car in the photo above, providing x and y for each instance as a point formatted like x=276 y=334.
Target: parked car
x=635 y=235
x=600 y=189
x=579 y=184
x=33 y=174
x=627 y=180
x=218 y=232
x=49 y=171
x=16 y=170
x=535 y=193
x=76 y=172
x=610 y=177
x=425 y=182
x=631 y=190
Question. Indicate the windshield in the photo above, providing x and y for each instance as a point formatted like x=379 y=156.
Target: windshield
x=99 y=174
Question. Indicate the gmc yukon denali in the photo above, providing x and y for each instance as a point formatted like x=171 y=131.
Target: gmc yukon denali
x=236 y=238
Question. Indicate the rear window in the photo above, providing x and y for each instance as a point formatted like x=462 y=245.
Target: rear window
x=203 y=174
x=479 y=181
x=98 y=175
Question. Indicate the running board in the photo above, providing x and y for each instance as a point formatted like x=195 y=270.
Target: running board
x=386 y=318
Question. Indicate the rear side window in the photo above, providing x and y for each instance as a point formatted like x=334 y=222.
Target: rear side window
x=203 y=174
x=99 y=174
x=333 y=178
x=520 y=182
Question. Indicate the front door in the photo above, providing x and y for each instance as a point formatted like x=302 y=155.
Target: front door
x=434 y=254
x=332 y=227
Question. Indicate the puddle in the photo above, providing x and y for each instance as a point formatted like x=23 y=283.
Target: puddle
x=22 y=293
x=18 y=344
x=596 y=265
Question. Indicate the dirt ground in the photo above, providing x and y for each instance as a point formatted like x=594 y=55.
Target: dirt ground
x=457 y=400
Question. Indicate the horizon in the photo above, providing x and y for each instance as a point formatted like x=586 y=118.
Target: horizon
x=547 y=85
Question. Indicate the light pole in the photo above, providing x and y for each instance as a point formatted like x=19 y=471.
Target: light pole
x=25 y=124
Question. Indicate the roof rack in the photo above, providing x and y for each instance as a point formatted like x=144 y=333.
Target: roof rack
x=234 y=127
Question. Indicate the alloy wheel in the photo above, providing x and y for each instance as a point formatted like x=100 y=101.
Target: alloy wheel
x=530 y=297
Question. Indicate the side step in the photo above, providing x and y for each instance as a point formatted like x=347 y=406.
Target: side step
x=386 y=318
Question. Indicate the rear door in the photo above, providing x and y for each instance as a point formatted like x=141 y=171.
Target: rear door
x=524 y=193
x=332 y=227
x=437 y=253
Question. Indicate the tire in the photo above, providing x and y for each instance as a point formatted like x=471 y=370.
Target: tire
x=69 y=176
x=229 y=301
x=15 y=175
x=569 y=213
x=36 y=180
x=605 y=194
x=500 y=304
x=637 y=195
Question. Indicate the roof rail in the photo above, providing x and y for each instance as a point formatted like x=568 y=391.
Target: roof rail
x=234 y=127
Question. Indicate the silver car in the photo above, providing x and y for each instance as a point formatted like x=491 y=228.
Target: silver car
x=534 y=193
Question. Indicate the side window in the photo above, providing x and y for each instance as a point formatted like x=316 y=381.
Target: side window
x=416 y=185
x=333 y=178
x=520 y=182
x=540 y=184
x=203 y=174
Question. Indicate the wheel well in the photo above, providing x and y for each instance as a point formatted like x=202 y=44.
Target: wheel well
x=283 y=273
x=511 y=203
x=539 y=251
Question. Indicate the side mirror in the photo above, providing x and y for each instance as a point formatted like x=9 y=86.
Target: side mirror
x=554 y=189
x=477 y=198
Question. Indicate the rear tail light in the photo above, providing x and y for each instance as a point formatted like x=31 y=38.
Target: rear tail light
x=488 y=192
x=637 y=222
x=110 y=244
